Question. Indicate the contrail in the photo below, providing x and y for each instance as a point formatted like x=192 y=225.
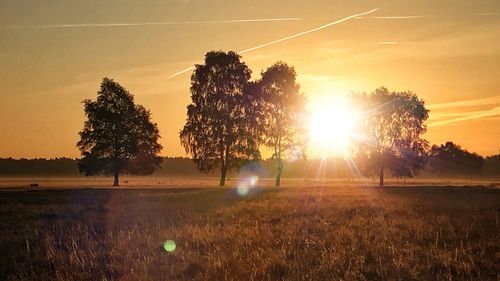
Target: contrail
x=398 y=17
x=306 y=32
x=288 y=37
x=83 y=25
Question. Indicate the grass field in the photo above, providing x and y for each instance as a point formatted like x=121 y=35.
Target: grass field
x=296 y=233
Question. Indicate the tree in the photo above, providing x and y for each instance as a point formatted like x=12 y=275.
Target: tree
x=118 y=135
x=281 y=106
x=221 y=125
x=450 y=158
x=491 y=166
x=393 y=123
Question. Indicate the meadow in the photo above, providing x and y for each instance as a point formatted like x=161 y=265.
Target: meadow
x=305 y=231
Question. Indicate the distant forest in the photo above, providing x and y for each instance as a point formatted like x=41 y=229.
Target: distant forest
x=452 y=164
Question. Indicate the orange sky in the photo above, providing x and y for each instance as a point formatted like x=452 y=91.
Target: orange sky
x=53 y=54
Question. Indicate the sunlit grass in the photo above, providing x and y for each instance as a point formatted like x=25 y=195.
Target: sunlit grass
x=310 y=233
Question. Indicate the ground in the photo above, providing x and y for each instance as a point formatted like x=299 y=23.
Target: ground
x=306 y=232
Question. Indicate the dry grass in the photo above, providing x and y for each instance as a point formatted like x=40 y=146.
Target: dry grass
x=302 y=233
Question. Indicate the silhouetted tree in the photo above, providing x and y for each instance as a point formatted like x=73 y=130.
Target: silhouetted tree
x=282 y=108
x=491 y=166
x=221 y=127
x=118 y=135
x=393 y=123
x=450 y=158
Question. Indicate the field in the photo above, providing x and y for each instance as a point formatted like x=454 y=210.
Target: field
x=347 y=231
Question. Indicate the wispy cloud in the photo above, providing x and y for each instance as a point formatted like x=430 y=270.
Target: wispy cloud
x=465 y=103
x=91 y=25
x=289 y=37
x=388 y=43
x=486 y=14
x=445 y=118
x=468 y=116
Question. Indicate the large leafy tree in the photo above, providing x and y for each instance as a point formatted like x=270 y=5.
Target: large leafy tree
x=221 y=128
x=394 y=124
x=118 y=135
x=282 y=107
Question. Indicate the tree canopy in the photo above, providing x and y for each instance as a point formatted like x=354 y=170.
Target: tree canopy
x=282 y=107
x=393 y=124
x=118 y=135
x=450 y=159
x=221 y=129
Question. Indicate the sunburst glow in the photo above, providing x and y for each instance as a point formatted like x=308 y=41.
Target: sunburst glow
x=332 y=127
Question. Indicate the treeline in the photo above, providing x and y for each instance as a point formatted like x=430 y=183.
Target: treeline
x=68 y=167
x=178 y=167
x=457 y=163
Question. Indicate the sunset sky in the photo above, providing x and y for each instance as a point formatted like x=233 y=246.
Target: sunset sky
x=54 y=54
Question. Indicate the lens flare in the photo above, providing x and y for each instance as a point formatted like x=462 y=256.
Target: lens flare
x=292 y=154
x=169 y=246
x=245 y=184
x=242 y=189
x=253 y=180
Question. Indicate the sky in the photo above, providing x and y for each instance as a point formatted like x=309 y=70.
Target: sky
x=54 y=54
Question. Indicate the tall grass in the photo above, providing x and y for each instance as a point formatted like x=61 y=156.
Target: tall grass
x=314 y=233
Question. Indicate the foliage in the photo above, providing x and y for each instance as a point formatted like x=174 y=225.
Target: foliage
x=393 y=123
x=221 y=126
x=282 y=108
x=118 y=135
x=38 y=166
x=492 y=165
x=451 y=159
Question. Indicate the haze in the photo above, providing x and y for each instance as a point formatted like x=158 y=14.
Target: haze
x=54 y=54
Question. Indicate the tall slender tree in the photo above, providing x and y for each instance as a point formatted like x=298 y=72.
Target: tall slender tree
x=221 y=127
x=394 y=124
x=118 y=135
x=282 y=107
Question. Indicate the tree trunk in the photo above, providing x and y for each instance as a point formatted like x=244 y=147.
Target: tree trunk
x=381 y=182
x=280 y=170
x=116 y=182
x=223 y=173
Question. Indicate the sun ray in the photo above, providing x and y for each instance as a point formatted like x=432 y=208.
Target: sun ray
x=332 y=126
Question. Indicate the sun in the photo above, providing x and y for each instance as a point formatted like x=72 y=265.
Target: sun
x=332 y=127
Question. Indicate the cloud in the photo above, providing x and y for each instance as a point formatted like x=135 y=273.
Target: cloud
x=90 y=25
x=468 y=116
x=486 y=14
x=445 y=118
x=388 y=43
x=466 y=103
x=289 y=37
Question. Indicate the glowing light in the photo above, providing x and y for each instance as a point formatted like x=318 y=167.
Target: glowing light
x=245 y=184
x=332 y=126
x=292 y=154
x=169 y=246
x=242 y=189
x=253 y=180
